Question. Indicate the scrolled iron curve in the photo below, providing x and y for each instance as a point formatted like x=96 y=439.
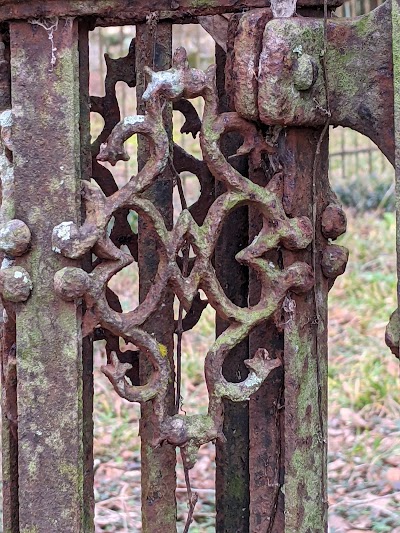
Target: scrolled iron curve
x=181 y=81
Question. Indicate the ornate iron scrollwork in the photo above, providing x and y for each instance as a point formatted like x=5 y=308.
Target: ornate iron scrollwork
x=201 y=231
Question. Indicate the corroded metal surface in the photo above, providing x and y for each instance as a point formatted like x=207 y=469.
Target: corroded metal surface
x=9 y=414
x=71 y=240
x=15 y=236
x=393 y=328
x=287 y=415
x=266 y=413
x=359 y=74
x=87 y=342
x=154 y=48
x=46 y=157
x=247 y=49
x=232 y=494
x=128 y=12
x=305 y=346
x=269 y=293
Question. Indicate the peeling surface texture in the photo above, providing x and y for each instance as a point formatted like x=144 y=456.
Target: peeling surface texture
x=359 y=74
x=283 y=8
x=9 y=414
x=246 y=55
x=15 y=236
x=49 y=358
x=120 y=11
x=277 y=230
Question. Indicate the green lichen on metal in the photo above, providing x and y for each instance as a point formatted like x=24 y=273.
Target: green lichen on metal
x=304 y=467
x=203 y=3
x=307 y=476
x=285 y=42
x=48 y=329
x=152 y=493
x=340 y=75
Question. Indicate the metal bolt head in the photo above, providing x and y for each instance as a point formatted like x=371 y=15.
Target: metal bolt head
x=305 y=72
x=71 y=283
x=333 y=221
x=392 y=334
x=334 y=261
x=15 y=284
x=15 y=238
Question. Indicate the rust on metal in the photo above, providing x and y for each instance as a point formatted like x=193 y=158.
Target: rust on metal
x=15 y=236
x=333 y=221
x=246 y=56
x=9 y=414
x=46 y=158
x=127 y=12
x=295 y=233
x=393 y=328
x=288 y=417
x=359 y=72
x=334 y=260
x=305 y=347
x=232 y=493
x=260 y=233
x=154 y=49
x=266 y=413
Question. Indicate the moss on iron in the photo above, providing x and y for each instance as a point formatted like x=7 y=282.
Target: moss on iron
x=202 y=3
x=302 y=477
x=49 y=367
x=303 y=370
x=340 y=73
x=365 y=25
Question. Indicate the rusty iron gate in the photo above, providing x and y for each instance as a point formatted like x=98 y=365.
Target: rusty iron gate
x=258 y=243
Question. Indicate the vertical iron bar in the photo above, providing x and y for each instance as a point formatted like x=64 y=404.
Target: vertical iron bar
x=154 y=49
x=266 y=413
x=87 y=342
x=46 y=107
x=396 y=83
x=232 y=468
x=305 y=348
x=9 y=429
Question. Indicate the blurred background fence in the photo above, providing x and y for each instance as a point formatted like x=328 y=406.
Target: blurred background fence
x=360 y=174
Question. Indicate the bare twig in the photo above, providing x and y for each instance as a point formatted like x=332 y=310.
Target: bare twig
x=192 y=500
x=179 y=329
x=199 y=491
x=367 y=501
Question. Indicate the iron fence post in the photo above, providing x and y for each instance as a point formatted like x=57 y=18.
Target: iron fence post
x=47 y=166
x=154 y=50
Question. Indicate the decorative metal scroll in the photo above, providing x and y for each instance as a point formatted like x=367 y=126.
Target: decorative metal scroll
x=197 y=227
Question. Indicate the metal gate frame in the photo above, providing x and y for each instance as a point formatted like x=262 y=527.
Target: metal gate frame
x=271 y=450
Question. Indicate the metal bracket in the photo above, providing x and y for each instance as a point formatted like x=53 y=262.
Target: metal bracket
x=290 y=82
